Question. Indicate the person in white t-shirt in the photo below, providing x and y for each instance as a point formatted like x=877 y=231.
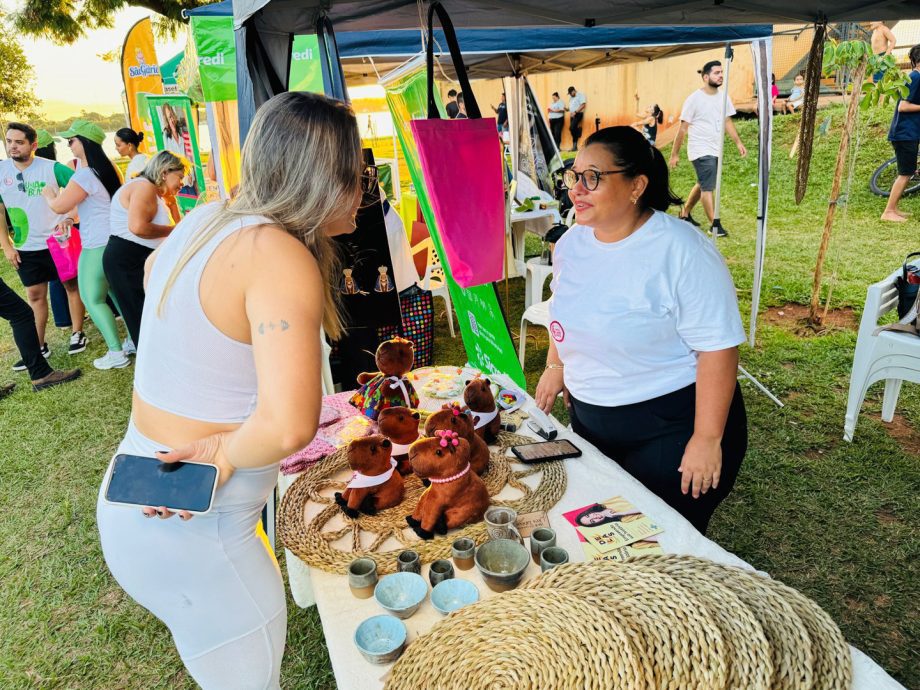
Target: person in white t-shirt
x=556 y=113
x=91 y=190
x=701 y=120
x=645 y=329
x=577 y=104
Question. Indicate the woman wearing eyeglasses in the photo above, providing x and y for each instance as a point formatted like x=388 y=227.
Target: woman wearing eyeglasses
x=228 y=373
x=645 y=330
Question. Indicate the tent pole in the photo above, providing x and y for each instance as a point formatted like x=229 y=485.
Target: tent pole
x=763 y=51
x=717 y=195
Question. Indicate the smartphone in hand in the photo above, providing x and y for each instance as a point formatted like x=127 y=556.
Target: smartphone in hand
x=142 y=481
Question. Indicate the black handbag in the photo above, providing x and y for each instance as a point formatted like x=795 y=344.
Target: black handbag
x=908 y=285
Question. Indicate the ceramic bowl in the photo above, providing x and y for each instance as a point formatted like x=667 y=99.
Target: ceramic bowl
x=502 y=563
x=451 y=595
x=381 y=639
x=401 y=593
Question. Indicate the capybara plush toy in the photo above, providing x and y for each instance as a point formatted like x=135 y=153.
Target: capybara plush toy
x=487 y=419
x=389 y=386
x=453 y=418
x=400 y=425
x=457 y=496
x=375 y=484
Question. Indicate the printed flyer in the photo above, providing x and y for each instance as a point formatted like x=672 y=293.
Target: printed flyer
x=611 y=524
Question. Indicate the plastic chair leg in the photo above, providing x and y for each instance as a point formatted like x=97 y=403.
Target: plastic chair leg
x=856 y=395
x=890 y=399
x=522 y=343
x=450 y=314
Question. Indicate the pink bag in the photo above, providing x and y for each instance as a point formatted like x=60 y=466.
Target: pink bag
x=65 y=251
x=461 y=161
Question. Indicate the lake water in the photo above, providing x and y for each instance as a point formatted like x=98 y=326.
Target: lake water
x=108 y=145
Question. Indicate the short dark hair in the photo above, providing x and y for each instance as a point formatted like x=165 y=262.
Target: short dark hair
x=632 y=152
x=571 y=89
x=452 y=93
x=28 y=130
x=914 y=55
x=707 y=68
x=556 y=94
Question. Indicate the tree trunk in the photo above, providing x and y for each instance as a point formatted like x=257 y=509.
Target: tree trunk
x=814 y=316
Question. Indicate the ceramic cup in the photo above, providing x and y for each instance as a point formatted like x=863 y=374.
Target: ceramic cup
x=439 y=571
x=541 y=538
x=408 y=562
x=500 y=524
x=362 y=577
x=463 y=550
x=552 y=556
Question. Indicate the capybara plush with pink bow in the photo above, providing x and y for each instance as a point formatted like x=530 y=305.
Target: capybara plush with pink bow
x=454 y=418
x=375 y=483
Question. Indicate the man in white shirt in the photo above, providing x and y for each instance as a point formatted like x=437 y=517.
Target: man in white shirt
x=556 y=113
x=577 y=104
x=701 y=119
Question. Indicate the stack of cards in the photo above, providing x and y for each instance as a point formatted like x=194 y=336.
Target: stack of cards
x=614 y=530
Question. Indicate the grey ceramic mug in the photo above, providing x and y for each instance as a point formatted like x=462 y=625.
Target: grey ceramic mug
x=541 y=538
x=362 y=577
x=463 y=550
x=552 y=556
x=440 y=570
x=408 y=561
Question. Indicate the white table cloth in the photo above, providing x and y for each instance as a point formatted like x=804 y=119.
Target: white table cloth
x=592 y=477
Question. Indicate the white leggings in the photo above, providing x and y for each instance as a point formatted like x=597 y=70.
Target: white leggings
x=210 y=580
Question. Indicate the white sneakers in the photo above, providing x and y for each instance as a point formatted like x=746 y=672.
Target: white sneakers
x=128 y=347
x=112 y=360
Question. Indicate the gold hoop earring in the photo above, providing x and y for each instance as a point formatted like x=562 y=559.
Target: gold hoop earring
x=635 y=200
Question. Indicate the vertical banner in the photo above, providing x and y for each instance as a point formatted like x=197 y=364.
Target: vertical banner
x=306 y=65
x=484 y=329
x=216 y=49
x=140 y=71
x=175 y=130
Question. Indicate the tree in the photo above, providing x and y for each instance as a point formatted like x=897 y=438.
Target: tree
x=16 y=95
x=65 y=21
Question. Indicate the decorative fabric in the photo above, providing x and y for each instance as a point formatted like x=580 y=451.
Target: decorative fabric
x=364 y=481
x=480 y=419
x=382 y=392
x=417 y=307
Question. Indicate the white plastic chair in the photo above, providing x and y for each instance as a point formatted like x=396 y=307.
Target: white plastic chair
x=327 y=383
x=434 y=279
x=536 y=274
x=536 y=314
x=889 y=355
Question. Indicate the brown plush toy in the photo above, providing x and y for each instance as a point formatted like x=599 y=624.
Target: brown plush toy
x=400 y=425
x=487 y=419
x=389 y=386
x=457 y=496
x=375 y=484
x=453 y=418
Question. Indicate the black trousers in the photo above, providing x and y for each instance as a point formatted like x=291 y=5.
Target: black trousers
x=555 y=128
x=575 y=128
x=123 y=263
x=648 y=439
x=14 y=309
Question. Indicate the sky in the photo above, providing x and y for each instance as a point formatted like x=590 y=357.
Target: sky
x=71 y=78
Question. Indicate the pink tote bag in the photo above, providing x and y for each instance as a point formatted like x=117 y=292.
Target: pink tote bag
x=65 y=252
x=461 y=161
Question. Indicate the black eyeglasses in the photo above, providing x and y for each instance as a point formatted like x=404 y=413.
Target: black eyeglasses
x=369 y=178
x=22 y=182
x=590 y=178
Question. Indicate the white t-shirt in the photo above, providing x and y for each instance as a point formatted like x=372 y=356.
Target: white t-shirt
x=93 y=210
x=629 y=317
x=136 y=166
x=704 y=113
x=556 y=110
x=404 y=273
x=32 y=218
x=576 y=101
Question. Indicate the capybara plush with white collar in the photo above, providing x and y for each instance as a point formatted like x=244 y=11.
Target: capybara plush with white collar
x=479 y=398
x=400 y=425
x=375 y=484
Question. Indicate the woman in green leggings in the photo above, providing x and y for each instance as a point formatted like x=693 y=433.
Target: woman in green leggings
x=90 y=190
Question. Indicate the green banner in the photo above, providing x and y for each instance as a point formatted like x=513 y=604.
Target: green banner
x=306 y=68
x=175 y=129
x=216 y=49
x=486 y=337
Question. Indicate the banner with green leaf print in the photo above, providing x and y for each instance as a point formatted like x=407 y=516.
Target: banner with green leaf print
x=483 y=326
x=215 y=46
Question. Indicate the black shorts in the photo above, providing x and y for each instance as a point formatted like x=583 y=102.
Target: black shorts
x=906 y=153
x=706 y=169
x=36 y=267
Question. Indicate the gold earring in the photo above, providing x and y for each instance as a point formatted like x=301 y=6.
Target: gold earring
x=635 y=200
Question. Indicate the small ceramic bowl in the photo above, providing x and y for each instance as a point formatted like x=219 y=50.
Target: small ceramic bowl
x=502 y=563
x=454 y=594
x=381 y=639
x=401 y=593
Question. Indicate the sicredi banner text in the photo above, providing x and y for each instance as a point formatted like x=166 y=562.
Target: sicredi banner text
x=216 y=49
x=219 y=59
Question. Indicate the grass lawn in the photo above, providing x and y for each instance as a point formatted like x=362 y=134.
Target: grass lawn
x=836 y=520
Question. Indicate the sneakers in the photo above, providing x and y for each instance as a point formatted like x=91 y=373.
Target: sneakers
x=55 y=378
x=6 y=389
x=77 y=343
x=112 y=360
x=690 y=219
x=128 y=346
x=720 y=232
x=21 y=365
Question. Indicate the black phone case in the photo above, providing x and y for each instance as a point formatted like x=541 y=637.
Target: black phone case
x=574 y=453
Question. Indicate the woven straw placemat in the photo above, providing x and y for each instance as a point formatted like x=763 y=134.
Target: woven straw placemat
x=330 y=540
x=679 y=634
x=808 y=650
x=540 y=639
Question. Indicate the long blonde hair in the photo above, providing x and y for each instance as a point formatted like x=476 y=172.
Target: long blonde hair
x=301 y=165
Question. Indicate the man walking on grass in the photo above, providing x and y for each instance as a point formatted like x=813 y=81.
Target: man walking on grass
x=904 y=136
x=577 y=105
x=22 y=179
x=700 y=121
